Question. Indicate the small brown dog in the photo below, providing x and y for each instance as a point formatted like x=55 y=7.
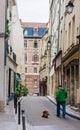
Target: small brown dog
x=45 y=114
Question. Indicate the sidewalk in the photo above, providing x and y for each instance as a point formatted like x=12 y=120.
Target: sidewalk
x=69 y=110
x=7 y=118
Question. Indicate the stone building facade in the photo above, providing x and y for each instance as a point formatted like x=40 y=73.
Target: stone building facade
x=69 y=30
x=67 y=58
x=8 y=63
x=32 y=49
x=44 y=66
x=55 y=50
x=2 y=57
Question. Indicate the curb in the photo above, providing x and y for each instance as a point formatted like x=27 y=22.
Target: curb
x=69 y=114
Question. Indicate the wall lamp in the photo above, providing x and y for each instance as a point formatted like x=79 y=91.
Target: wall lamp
x=78 y=37
x=69 y=7
x=49 y=41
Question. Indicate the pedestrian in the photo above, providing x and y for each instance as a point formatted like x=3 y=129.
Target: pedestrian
x=61 y=95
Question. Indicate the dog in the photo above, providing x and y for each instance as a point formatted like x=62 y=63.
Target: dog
x=45 y=114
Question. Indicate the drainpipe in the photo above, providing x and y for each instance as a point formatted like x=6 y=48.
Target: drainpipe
x=5 y=47
x=59 y=37
x=59 y=24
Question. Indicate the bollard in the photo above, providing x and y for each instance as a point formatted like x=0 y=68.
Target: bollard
x=15 y=103
x=19 y=112
x=23 y=120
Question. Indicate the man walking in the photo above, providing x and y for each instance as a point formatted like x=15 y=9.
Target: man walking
x=61 y=95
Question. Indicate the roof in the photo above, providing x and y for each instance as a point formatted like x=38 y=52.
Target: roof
x=34 y=25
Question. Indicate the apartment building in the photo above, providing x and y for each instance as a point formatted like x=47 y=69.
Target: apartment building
x=32 y=49
x=16 y=41
x=2 y=56
x=69 y=30
x=67 y=58
x=44 y=66
x=55 y=50
x=8 y=63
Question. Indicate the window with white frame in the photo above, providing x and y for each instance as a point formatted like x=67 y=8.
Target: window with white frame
x=25 y=69
x=35 y=82
x=35 y=31
x=36 y=58
x=25 y=43
x=35 y=44
x=35 y=69
x=25 y=32
x=25 y=58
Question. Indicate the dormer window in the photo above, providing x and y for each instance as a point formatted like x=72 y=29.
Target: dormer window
x=35 y=31
x=25 y=32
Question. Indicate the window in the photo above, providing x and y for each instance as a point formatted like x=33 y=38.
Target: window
x=35 y=82
x=25 y=58
x=73 y=29
x=35 y=44
x=25 y=69
x=35 y=31
x=35 y=58
x=25 y=43
x=25 y=32
x=35 y=70
x=69 y=34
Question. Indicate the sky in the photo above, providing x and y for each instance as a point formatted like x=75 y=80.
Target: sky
x=33 y=10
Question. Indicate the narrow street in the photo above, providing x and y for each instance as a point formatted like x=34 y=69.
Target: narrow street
x=34 y=106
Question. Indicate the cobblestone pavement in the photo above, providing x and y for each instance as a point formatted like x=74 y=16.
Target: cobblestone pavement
x=34 y=106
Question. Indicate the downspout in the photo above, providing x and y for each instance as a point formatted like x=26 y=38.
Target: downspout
x=6 y=40
x=59 y=25
x=59 y=36
x=5 y=93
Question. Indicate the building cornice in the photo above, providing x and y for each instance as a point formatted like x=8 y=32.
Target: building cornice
x=70 y=52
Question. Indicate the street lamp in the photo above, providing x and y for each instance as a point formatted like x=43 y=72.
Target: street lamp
x=49 y=43
x=69 y=7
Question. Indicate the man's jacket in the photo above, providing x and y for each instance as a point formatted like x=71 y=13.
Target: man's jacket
x=61 y=95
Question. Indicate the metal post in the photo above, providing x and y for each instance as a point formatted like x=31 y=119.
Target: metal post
x=23 y=120
x=15 y=102
x=19 y=112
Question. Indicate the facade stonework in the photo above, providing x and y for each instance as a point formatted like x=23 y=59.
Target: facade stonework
x=8 y=64
x=32 y=49
x=67 y=58
x=29 y=80
x=3 y=95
